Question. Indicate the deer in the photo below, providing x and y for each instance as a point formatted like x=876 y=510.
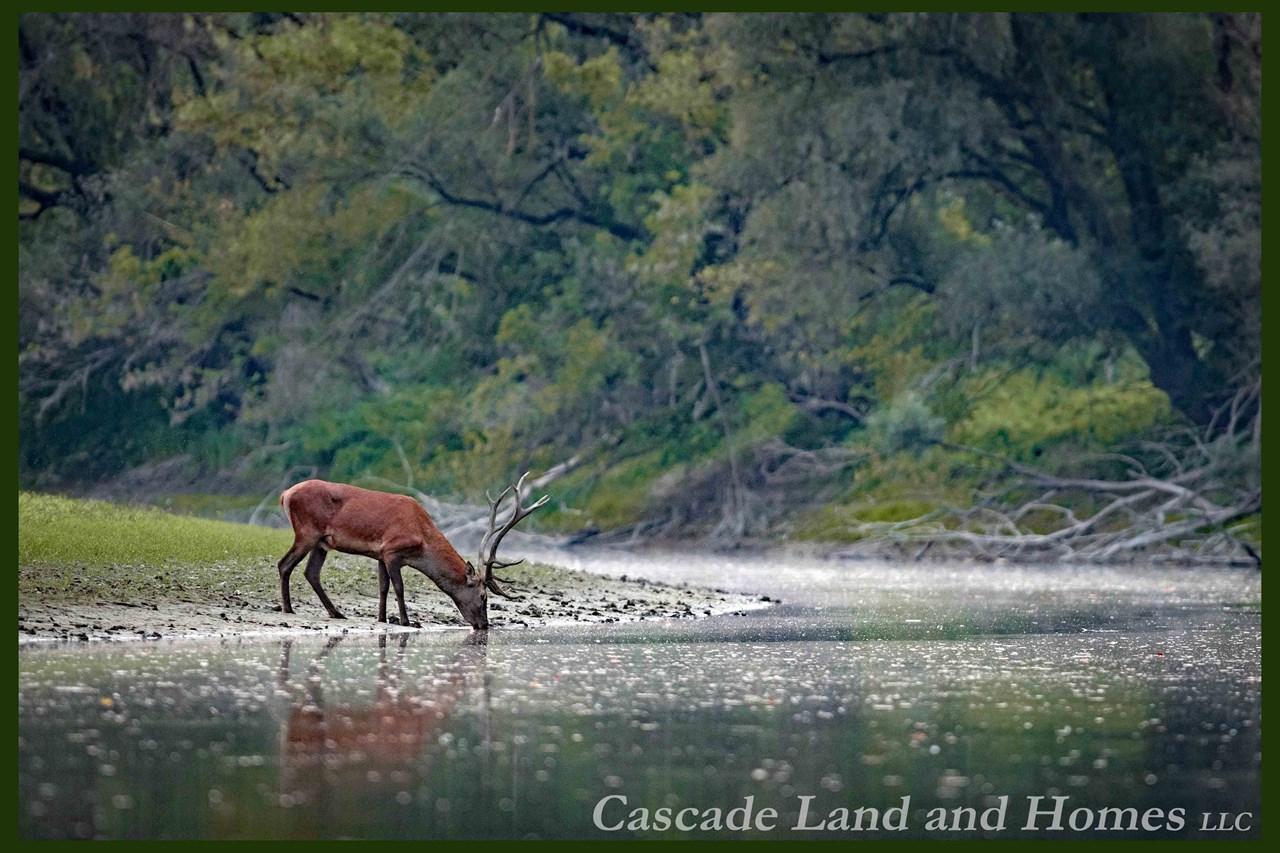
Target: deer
x=397 y=532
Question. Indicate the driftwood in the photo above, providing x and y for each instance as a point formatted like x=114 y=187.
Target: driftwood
x=1183 y=504
x=781 y=464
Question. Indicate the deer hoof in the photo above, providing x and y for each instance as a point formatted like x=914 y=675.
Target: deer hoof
x=337 y=615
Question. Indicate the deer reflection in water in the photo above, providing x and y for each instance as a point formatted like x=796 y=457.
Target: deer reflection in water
x=336 y=755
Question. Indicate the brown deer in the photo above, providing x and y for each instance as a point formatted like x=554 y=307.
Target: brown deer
x=396 y=531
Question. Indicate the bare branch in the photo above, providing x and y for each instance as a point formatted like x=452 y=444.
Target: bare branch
x=1191 y=512
x=621 y=230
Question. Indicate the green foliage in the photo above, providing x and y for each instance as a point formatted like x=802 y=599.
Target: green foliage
x=1022 y=413
x=620 y=496
x=889 y=346
x=425 y=423
x=766 y=412
x=451 y=248
x=903 y=424
x=128 y=428
x=1013 y=288
x=936 y=475
x=311 y=91
x=650 y=128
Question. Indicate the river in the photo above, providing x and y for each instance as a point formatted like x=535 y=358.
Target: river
x=873 y=700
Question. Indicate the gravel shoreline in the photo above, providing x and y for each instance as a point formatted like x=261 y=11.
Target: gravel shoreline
x=557 y=597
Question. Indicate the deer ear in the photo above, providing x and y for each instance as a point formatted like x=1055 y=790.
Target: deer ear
x=471 y=570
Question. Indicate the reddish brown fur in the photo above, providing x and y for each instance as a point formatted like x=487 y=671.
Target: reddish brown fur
x=361 y=521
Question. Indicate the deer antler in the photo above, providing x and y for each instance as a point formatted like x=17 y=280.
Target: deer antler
x=493 y=536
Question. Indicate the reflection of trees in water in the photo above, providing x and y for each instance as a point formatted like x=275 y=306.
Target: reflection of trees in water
x=341 y=753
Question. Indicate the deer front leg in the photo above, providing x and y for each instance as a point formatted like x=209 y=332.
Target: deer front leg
x=393 y=569
x=384 y=583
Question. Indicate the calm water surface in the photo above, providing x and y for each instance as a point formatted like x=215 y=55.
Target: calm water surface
x=957 y=688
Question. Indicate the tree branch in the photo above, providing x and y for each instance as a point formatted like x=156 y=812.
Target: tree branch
x=621 y=230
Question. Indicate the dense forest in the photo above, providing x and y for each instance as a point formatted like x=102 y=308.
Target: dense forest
x=986 y=282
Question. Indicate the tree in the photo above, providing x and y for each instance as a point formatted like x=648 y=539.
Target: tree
x=1090 y=126
x=92 y=87
x=723 y=261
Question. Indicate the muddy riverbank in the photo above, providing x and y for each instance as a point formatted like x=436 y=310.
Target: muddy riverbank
x=549 y=596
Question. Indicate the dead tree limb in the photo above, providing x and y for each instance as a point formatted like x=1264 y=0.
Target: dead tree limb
x=1189 y=511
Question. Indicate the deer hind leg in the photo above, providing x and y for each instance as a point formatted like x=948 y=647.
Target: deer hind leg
x=384 y=583
x=312 y=573
x=288 y=563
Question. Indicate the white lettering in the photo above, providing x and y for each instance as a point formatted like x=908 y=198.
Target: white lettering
x=902 y=816
x=1034 y=813
x=744 y=812
x=597 y=816
x=1121 y=815
x=997 y=821
x=1088 y=819
x=803 y=821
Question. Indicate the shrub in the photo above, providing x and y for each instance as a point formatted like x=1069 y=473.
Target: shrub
x=905 y=424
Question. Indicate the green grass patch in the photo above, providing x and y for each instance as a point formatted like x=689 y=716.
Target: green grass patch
x=91 y=550
x=56 y=529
